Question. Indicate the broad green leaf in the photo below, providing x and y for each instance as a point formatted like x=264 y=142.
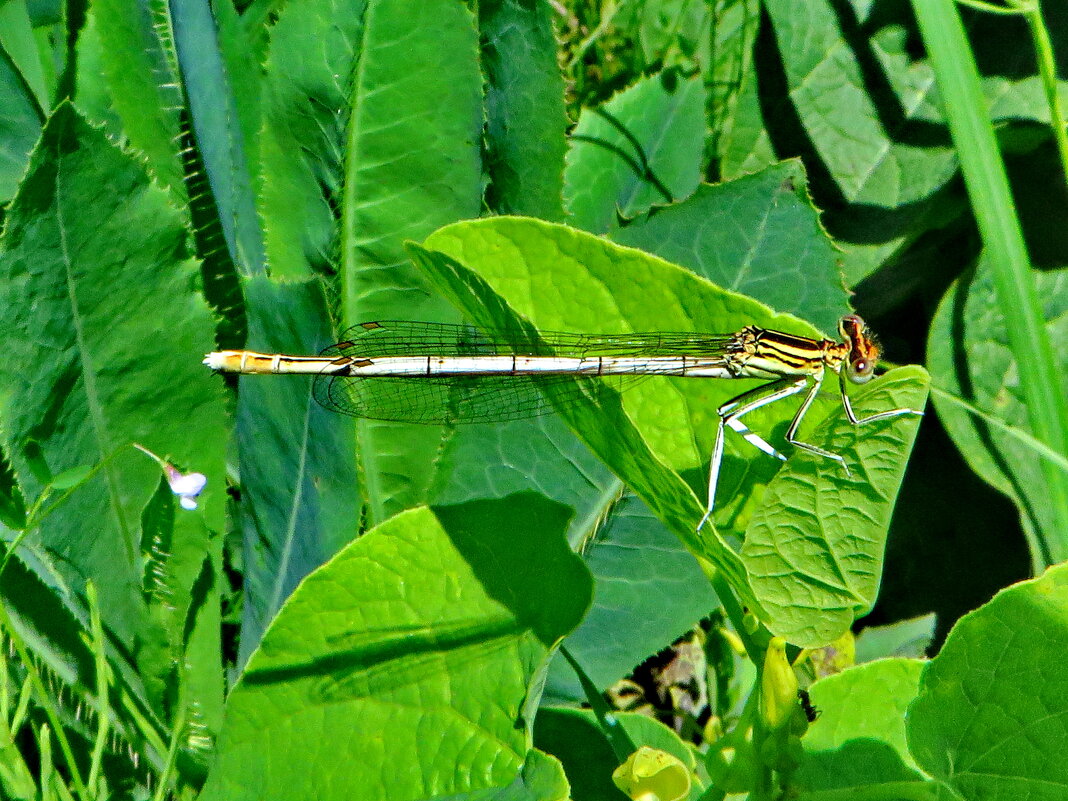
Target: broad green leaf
x=354 y=167
x=130 y=82
x=114 y=333
x=610 y=289
x=142 y=88
x=647 y=585
x=656 y=125
x=307 y=110
x=412 y=160
x=300 y=499
x=26 y=55
x=525 y=119
x=872 y=158
x=563 y=279
x=728 y=68
x=758 y=235
x=742 y=142
x=989 y=717
x=969 y=354
x=428 y=626
x=814 y=549
x=640 y=293
x=239 y=48
x=258 y=19
x=492 y=465
x=859 y=737
x=219 y=125
x=20 y=125
x=494 y=460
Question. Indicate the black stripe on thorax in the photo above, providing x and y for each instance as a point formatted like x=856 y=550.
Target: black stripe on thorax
x=796 y=351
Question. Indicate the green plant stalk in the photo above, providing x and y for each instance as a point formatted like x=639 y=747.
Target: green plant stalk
x=620 y=742
x=44 y=743
x=1041 y=449
x=144 y=726
x=177 y=732
x=988 y=188
x=46 y=704
x=103 y=716
x=764 y=785
x=22 y=711
x=34 y=679
x=991 y=8
x=5 y=688
x=15 y=774
x=62 y=791
x=1047 y=69
x=755 y=642
x=34 y=516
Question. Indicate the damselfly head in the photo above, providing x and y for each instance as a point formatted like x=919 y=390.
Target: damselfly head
x=863 y=349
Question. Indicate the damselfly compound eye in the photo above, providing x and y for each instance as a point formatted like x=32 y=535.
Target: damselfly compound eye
x=861 y=370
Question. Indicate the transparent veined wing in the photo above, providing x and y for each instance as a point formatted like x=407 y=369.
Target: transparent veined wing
x=483 y=398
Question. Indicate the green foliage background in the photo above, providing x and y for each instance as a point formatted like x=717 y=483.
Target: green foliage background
x=362 y=609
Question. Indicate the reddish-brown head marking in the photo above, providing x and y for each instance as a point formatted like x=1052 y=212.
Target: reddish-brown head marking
x=863 y=349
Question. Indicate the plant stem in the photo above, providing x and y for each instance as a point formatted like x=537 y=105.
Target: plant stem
x=1047 y=69
x=102 y=711
x=988 y=188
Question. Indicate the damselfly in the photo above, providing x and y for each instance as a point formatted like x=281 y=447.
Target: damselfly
x=439 y=373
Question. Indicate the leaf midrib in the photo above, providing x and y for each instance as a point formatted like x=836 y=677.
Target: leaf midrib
x=93 y=403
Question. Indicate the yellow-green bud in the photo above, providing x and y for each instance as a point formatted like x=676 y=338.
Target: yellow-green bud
x=778 y=687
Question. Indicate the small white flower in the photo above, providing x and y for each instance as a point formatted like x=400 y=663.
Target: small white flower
x=187 y=486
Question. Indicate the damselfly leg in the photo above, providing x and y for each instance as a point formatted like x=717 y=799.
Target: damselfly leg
x=730 y=415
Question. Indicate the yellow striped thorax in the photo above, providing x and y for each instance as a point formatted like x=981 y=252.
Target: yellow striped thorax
x=759 y=352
